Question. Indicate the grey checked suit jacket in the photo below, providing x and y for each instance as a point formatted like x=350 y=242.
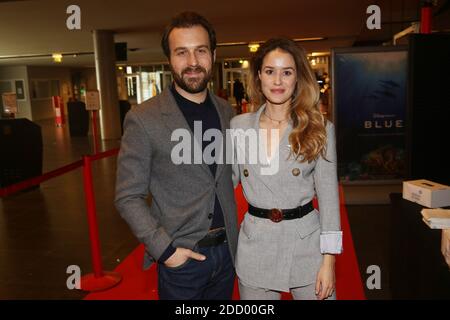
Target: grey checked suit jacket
x=182 y=195
x=288 y=254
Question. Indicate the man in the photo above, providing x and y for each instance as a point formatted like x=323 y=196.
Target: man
x=190 y=229
x=238 y=92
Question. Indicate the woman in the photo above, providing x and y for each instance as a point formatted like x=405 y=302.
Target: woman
x=445 y=245
x=284 y=244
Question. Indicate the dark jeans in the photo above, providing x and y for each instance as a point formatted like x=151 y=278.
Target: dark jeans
x=212 y=279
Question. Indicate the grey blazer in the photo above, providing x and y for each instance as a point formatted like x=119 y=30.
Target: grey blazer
x=288 y=254
x=182 y=195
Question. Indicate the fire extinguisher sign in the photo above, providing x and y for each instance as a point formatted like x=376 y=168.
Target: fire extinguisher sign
x=92 y=100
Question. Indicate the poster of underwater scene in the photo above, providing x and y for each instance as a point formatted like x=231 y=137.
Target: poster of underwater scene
x=370 y=109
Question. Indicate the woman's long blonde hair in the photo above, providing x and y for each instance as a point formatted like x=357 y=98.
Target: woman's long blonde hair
x=308 y=137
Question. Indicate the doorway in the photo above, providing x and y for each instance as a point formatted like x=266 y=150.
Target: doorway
x=230 y=76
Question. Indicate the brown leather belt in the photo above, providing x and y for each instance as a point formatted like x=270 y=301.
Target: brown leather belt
x=277 y=215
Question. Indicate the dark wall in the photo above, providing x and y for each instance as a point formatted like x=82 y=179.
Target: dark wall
x=428 y=117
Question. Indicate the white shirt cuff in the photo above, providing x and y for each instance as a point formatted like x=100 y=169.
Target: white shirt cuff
x=331 y=242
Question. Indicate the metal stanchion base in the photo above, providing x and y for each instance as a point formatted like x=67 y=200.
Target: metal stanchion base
x=109 y=279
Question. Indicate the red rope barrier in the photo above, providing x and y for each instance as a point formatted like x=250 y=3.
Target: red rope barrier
x=99 y=280
x=14 y=188
x=104 y=154
x=22 y=185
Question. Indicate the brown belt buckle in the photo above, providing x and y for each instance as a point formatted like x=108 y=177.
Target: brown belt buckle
x=275 y=215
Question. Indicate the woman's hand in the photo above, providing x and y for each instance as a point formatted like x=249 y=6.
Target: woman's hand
x=325 y=283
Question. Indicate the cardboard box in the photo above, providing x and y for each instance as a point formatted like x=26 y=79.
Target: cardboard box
x=427 y=193
x=436 y=218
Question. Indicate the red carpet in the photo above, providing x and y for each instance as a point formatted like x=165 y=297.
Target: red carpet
x=142 y=285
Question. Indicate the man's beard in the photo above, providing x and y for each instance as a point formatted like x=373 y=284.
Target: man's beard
x=192 y=85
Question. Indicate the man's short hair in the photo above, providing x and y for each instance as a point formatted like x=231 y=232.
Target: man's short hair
x=188 y=20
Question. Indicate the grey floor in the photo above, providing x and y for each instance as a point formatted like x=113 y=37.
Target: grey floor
x=370 y=225
x=44 y=231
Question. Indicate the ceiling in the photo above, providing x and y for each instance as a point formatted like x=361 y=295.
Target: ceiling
x=39 y=27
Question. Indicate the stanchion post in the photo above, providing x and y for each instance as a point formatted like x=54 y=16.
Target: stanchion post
x=426 y=17
x=99 y=280
x=92 y=219
x=94 y=130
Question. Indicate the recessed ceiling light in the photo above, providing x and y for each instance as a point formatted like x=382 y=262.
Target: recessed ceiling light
x=57 y=57
x=253 y=47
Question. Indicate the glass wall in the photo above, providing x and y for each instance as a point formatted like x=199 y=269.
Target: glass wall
x=145 y=82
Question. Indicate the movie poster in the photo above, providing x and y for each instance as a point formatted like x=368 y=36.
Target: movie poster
x=370 y=110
